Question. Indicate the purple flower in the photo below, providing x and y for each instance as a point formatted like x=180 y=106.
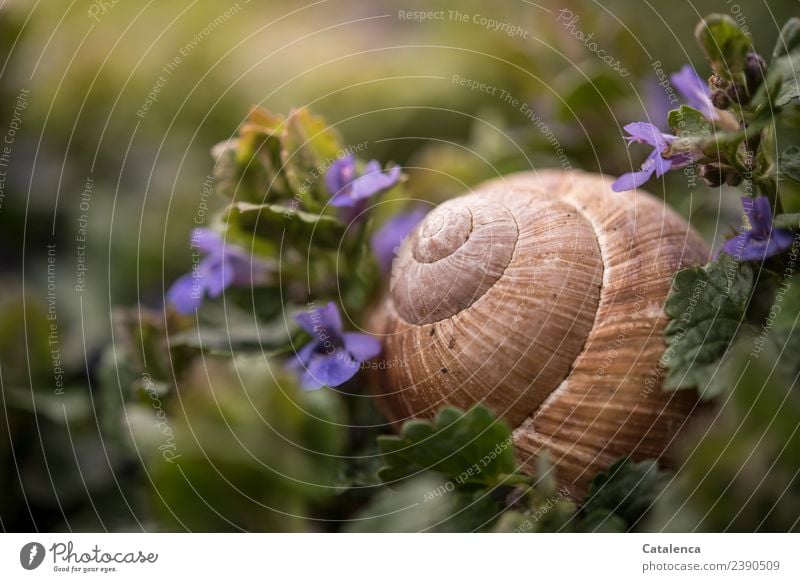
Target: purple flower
x=761 y=241
x=695 y=90
x=349 y=189
x=657 y=103
x=333 y=356
x=387 y=239
x=648 y=133
x=223 y=266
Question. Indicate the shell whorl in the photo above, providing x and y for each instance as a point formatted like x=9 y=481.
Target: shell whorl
x=540 y=295
x=455 y=256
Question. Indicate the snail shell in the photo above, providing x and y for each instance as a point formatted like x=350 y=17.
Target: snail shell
x=540 y=296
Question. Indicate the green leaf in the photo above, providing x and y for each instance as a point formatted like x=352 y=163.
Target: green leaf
x=308 y=147
x=236 y=339
x=70 y=406
x=789 y=38
x=725 y=45
x=272 y=225
x=468 y=448
x=249 y=167
x=620 y=498
x=695 y=133
x=783 y=71
x=789 y=221
x=789 y=163
x=706 y=308
x=786 y=70
x=689 y=122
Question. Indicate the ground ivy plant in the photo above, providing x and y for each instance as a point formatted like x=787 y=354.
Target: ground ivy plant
x=739 y=130
x=298 y=237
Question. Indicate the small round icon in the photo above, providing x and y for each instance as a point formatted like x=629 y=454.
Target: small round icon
x=31 y=555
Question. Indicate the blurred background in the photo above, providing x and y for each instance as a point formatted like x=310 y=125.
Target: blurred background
x=109 y=111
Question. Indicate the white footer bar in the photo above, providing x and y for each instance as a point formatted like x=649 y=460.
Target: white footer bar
x=400 y=557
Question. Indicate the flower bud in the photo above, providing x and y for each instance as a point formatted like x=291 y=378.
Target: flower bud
x=737 y=93
x=714 y=175
x=754 y=71
x=720 y=99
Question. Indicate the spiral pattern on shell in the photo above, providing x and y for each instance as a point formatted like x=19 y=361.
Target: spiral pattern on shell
x=540 y=295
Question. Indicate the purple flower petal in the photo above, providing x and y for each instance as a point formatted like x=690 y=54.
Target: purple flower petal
x=340 y=175
x=758 y=248
x=762 y=240
x=660 y=165
x=347 y=189
x=328 y=370
x=321 y=319
x=658 y=104
x=695 y=90
x=648 y=133
x=217 y=275
x=330 y=318
x=758 y=212
x=186 y=294
x=736 y=246
x=388 y=238
x=655 y=163
x=361 y=346
x=207 y=240
x=306 y=321
x=781 y=240
x=374 y=181
x=223 y=266
x=247 y=271
x=632 y=180
x=302 y=358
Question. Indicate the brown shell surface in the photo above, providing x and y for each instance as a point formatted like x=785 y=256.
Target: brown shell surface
x=540 y=296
